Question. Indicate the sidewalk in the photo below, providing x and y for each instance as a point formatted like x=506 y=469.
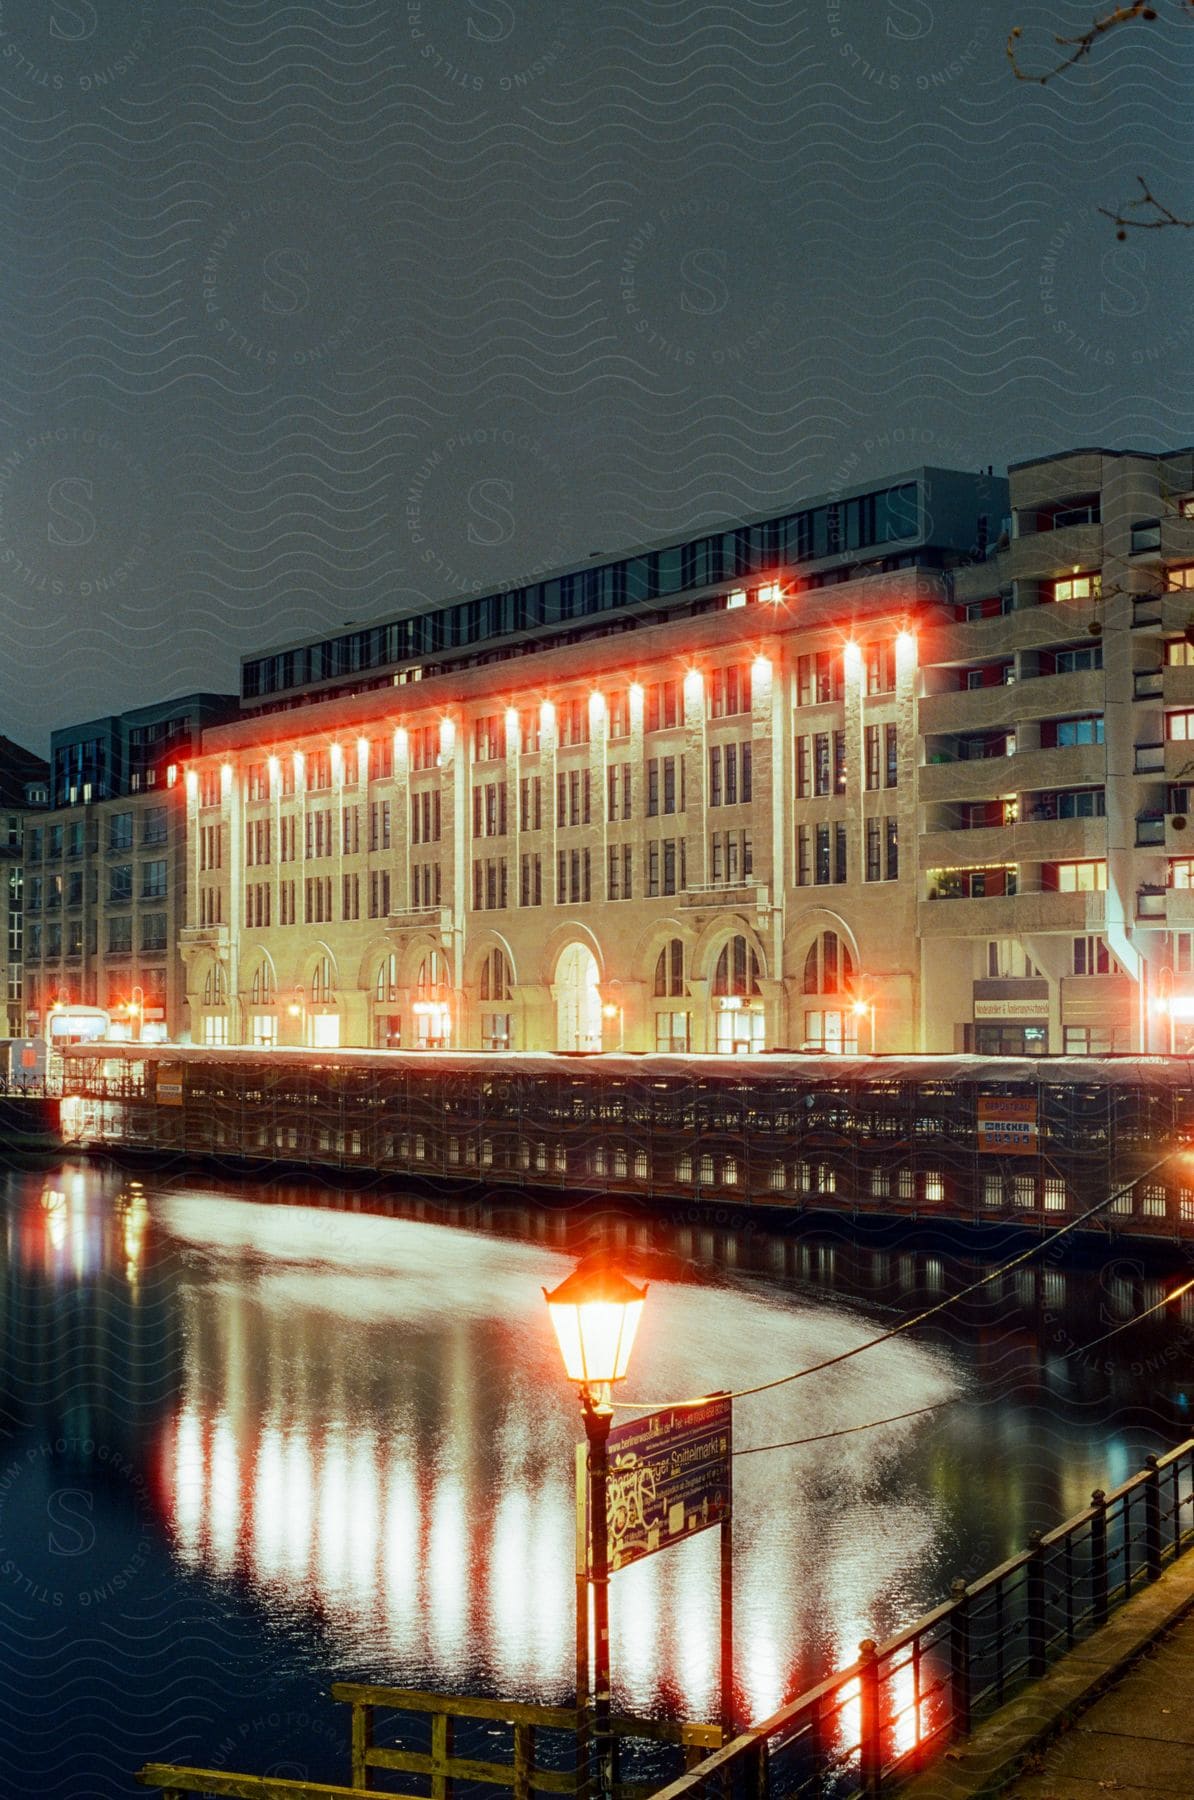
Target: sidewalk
x=1136 y=1742
x=1113 y=1717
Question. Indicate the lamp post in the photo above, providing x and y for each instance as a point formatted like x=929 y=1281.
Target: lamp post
x=595 y=1312
x=611 y=1010
x=297 y=1010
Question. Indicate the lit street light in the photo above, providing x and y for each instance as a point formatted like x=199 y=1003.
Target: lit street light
x=595 y=1312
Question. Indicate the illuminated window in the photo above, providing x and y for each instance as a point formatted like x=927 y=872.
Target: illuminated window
x=262 y=990
x=1179 y=727
x=1076 y=877
x=1180 y=578
x=1079 y=587
x=1180 y=871
x=1179 y=653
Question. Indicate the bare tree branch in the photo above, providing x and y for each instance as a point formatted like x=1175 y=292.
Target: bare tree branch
x=1082 y=45
x=1157 y=216
x=1146 y=213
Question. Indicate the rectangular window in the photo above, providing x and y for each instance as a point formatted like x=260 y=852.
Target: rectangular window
x=840 y=870
x=839 y=762
x=891 y=749
x=880 y=668
x=821 y=773
x=804 y=779
x=874 y=842
x=891 y=836
x=715 y=775
x=1179 y=727
x=822 y=869
x=153 y=880
x=803 y=857
x=1077 y=877
x=871 y=748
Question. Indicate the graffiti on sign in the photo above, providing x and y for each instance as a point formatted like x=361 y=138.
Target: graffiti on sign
x=1007 y=1125
x=669 y=1477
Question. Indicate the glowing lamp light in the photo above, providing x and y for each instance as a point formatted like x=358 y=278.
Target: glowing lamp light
x=694 y=685
x=299 y=764
x=511 y=722
x=906 y=643
x=1180 y=1006
x=770 y=594
x=636 y=695
x=401 y=741
x=337 y=756
x=852 y=657
x=761 y=671
x=192 y=783
x=363 y=752
x=547 y=715
x=226 y=778
x=595 y=1313
x=447 y=736
x=860 y=1009
x=596 y=707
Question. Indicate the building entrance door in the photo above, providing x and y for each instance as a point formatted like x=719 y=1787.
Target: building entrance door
x=578 y=1000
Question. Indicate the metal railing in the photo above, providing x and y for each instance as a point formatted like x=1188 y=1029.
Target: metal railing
x=874 y=1724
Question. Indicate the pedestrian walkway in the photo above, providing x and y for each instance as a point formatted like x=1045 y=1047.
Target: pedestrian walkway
x=1136 y=1742
x=1114 y=1717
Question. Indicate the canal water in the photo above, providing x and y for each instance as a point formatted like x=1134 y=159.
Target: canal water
x=257 y=1438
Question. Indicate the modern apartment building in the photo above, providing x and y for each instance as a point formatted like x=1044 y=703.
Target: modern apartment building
x=105 y=867
x=911 y=766
x=1056 y=752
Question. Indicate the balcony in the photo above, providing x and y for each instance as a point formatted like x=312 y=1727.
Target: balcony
x=1029 y=840
x=1071 y=765
x=716 y=897
x=1177 y=540
x=1076 y=691
x=1150 y=830
x=1013 y=916
x=1148 y=684
x=1040 y=484
x=969 y=709
x=1177 y=685
x=1027 y=628
x=1051 y=555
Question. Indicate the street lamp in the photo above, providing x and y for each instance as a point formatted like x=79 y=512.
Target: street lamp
x=595 y=1312
x=611 y=1010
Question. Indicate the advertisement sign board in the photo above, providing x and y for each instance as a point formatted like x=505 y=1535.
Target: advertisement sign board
x=1007 y=1125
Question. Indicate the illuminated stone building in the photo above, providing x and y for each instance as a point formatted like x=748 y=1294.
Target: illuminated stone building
x=911 y=765
x=666 y=802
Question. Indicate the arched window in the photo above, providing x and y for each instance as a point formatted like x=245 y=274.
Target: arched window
x=669 y=970
x=321 y=982
x=738 y=1021
x=737 y=970
x=828 y=967
x=263 y=985
x=432 y=978
x=386 y=986
x=215 y=989
x=829 y=976
x=495 y=977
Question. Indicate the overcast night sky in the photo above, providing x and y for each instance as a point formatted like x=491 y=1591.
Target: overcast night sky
x=316 y=311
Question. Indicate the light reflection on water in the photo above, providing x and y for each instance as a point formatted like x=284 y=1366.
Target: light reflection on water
x=373 y=1424
x=319 y=1443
